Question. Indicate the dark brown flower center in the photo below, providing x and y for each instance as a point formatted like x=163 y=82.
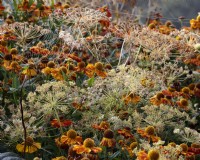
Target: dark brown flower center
x=108 y=134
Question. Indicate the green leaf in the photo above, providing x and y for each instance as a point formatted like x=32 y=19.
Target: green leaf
x=30 y=2
x=114 y=155
x=15 y=5
x=12 y=90
x=15 y=82
x=52 y=3
x=91 y=82
x=80 y=79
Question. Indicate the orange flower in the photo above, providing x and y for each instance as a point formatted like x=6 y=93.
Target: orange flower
x=126 y=132
x=105 y=9
x=129 y=148
x=165 y=29
x=194 y=150
x=108 y=139
x=183 y=103
x=62 y=122
x=194 y=24
x=24 y=6
x=104 y=22
x=74 y=56
x=149 y=133
x=170 y=92
x=87 y=147
x=194 y=61
x=4 y=49
x=7 y=60
x=131 y=98
x=90 y=70
x=30 y=71
x=155 y=101
x=142 y=155
x=31 y=146
x=197 y=90
x=97 y=68
x=59 y=72
x=102 y=127
x=14 y=66
x=49 y=68
x=60 y=144
x=81 y=67
x=70 y=138
x=43 y=11
x=39 y=50
x=77 y=106
x=160 y=98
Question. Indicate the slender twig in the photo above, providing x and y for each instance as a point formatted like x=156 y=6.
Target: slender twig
x=22 y=115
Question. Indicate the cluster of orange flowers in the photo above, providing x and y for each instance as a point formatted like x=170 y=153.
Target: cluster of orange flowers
x=156 y=25
x=171 y=95
x=39 y=50
x=154 y=154
x=41 y=11
x=77 y=148
x=149 y=133
x=195 y=60
x=128 y=143
x=58 y=69
x=195 y=23
x=131 y=98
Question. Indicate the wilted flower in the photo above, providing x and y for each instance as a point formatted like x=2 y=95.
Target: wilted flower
x=31 y=146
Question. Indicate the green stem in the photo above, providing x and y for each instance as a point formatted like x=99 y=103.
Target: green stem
x=57 y=117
